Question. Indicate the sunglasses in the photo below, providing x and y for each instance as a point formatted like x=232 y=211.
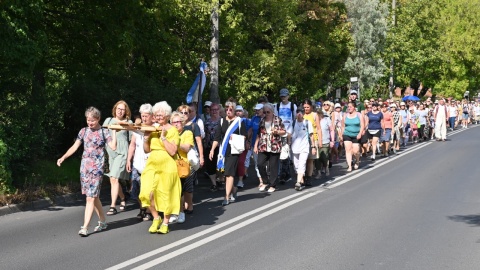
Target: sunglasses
x=185 y=113
x=229 y=110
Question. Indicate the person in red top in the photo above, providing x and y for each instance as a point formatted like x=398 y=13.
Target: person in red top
x=387 y=130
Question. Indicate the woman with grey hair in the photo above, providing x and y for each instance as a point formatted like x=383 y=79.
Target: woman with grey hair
x=161 y=188
x=268 y=146
x=139 y=158
x=94 y=140
x=227 y=161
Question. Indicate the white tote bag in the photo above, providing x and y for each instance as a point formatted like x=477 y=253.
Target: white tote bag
x=237 y=144
x=193 y=158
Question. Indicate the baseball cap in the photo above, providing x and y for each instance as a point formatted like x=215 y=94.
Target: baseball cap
x=284 y=92
x=207 y=103
x=337 y=105
x=393 y=105
x=259 y=106
x=239 y=108
x=353 y=92
x=402 y=103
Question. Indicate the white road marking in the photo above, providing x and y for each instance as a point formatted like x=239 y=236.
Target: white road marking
x=265 y=211
x=210 y=238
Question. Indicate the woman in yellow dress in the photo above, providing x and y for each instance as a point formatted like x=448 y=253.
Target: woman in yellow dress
x=314 y=155
x=161 y=188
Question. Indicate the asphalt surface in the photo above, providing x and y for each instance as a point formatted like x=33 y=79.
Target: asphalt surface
x=415 y=210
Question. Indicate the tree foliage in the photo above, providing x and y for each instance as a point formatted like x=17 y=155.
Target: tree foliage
x=369 y=27
x=435 y=42
x=59 y=57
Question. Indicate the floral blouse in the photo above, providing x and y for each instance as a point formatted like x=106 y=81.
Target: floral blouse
x=267 y=141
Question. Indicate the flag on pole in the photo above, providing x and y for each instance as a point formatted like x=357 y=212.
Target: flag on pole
x=195 y=93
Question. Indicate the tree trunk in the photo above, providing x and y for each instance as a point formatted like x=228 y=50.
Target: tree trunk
x=214 y=97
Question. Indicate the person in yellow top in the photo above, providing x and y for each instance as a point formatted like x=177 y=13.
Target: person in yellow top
x=161 y=188
x=313 y=118
x=186 y=142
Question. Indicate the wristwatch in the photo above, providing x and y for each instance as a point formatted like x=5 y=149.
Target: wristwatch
x=163 y=138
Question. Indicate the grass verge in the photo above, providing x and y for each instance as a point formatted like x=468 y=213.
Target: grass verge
x=46 y=179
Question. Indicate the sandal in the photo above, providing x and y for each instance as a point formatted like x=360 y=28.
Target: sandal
x=101 y=226
x=122 y=206
x=147 y=217
x=83 y=231
x=112 y=211
x=142 y=213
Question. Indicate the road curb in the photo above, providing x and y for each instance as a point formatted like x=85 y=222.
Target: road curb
x=40 y=204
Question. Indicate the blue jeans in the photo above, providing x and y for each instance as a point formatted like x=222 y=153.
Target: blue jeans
x=451 y=122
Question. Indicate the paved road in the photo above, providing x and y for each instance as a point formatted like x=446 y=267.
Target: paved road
x=416 y=210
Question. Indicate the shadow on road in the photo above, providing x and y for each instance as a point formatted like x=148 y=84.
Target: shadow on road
x=473 y=220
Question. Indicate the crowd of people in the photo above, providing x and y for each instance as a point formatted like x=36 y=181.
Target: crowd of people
x=224 y=141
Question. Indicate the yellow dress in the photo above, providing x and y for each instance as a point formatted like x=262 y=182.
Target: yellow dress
x=310 y=117
x=160 y=176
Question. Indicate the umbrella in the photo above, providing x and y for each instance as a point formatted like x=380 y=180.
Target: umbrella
x=412 y=98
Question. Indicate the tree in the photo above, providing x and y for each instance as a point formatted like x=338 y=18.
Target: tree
x=369 y=27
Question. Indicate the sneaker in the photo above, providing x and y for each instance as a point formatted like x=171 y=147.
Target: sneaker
x=233 y=197
x=155 y=224
x=262 y=188
x=213 y=188
x=101 y=226
x=163 y=229
x=83 y=231
x=173 y=219
x=372 y=158
x=225 y=203
x=181 y=217
x=299 y=186
x=240 y=184
x=288 y=179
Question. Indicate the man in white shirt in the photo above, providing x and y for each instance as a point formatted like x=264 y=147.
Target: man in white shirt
x=476 y=111
x=441 y=115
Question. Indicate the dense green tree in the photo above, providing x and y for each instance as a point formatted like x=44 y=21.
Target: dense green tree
x=266 y=46
x=59 y=57
x=436 y=43
x=369 y=27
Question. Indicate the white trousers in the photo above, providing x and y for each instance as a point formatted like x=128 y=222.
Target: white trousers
x=441 y=128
